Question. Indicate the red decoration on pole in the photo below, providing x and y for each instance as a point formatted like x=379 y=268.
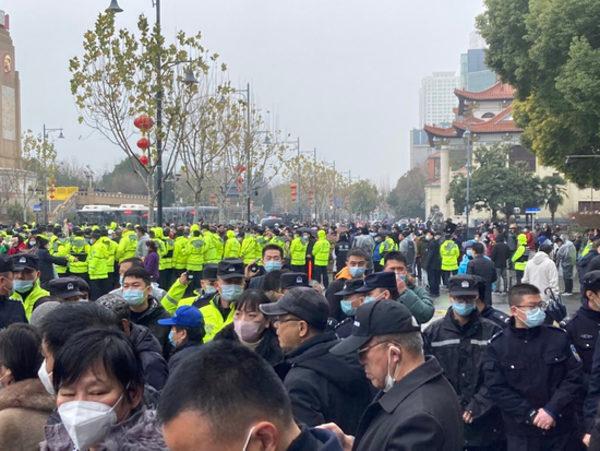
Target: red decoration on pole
x=143 y=143
x=144 y=160
x=143 y=122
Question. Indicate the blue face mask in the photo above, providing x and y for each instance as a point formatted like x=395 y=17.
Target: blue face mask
x=22 y=286
x=209 y=289
x=535 y=317
x=463 y=309
x=347 y=308
x=172 y=338
x=231 y=292
x=273 y=265
x=369 y=299
x=133 y=297
x=356 y=271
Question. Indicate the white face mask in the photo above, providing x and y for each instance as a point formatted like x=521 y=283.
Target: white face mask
x=87 y=422
x=389 y=377
x=45 y=378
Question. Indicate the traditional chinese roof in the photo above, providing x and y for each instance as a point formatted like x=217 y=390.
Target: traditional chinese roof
x=499 y=91
x=440 y=132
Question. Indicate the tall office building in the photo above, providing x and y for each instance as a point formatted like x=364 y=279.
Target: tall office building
x=475 y=76
x=437 y=98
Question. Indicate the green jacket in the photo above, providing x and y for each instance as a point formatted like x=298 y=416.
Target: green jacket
x=60 y=248
x=248 y=249
x=79 y=249
x=232 y=246
x=298 y=252
x=321 y=249
x=449 y=252
x=418 y=301
x=97 y=260
x=195 y=250
x=387 y=245
x=112 y=253
x=519 y=258
x=28 y=303
x=127 y=246
x=179 y=255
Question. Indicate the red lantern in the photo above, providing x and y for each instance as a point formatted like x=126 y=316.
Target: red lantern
x=143 y=122
x=143 y=143
x=144 y=160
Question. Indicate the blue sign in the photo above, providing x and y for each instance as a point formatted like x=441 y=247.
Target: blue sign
x=532 y=211
x=37 y=208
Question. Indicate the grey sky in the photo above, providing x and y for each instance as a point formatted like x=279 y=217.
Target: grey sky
x=343 y=75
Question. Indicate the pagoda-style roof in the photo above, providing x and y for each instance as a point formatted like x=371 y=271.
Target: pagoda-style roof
x=501 y=123
x=498 y=91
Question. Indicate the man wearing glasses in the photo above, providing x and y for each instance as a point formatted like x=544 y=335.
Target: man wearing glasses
x=323 y=387
x=417 y=407
x=533 y=375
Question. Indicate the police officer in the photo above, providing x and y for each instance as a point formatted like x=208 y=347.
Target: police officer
x=26 y=281
x=69 y=289
x=583 y=330
x=11 y=311
x=289 y=280
x=520 y=257
x=533 y=376
x=486 y=311
x=449 y=252
x=349 y=303
x=459 y=341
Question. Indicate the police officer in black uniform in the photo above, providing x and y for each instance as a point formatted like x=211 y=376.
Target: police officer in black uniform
x=351 y=300
x=459 y=341
x=486 y=311
x=208 y=285
x=534 y=376
x=10 y=311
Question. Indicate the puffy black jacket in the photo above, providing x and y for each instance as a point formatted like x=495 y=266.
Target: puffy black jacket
x=500 y=255
x=323 y=387
x=149 y=318
x=11 y=312
x=46 y=262
x=529 y=369
x=150 y=352
x=181 y=353
x=432 y=259
x=459 y=350
x=484 y=268
x=583 y=329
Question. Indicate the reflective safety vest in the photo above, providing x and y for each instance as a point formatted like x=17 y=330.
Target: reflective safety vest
x=179 y=256
x=60 y=248
x=98 y=260
x=195 y=251
x=298 y=252
x=29 y=302
x=80 y=250
x=449 y=252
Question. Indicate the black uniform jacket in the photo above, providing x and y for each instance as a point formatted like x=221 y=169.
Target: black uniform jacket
x=324 y=387
x=460 y=350
x=529 y=369
x=420 y=412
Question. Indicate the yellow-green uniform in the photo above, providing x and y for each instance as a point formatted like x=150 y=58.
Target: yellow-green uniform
x=261 y=242
x=219 y=245
x=298 y=252
x=211 y=248
x=179 y=256
x=195 y=251
x=80 y=250
x=60 y=248
x=213 y=319
x=232 y=246
x=36 y=292
x=519 y=258
x=97 y=261
x=127 y=246
x=248 y=249
x=321 y=249
x=277 y=240
x=449 y=252
x=387 y=245
x=112 y=254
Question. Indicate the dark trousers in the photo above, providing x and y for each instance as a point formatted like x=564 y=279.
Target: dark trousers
x=446 y=275
x=99 y=288
x=501 y=276
x=539 y=443
x=164 y=280
x=433 y=279
x=568 y=285
x=298 y=268
x=519 y=274
x=419 y=269
x=320 y=275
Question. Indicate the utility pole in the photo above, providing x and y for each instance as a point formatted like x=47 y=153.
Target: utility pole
x=248 y=158
x=159 y=150
x=315 y=181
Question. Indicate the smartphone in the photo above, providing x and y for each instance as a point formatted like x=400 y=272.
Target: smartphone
x=254 y=268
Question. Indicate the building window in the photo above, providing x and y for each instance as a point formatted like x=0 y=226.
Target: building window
x=519 y=153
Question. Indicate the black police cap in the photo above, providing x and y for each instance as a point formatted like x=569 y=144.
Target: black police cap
x=67 y=287
x=24 y=261
x=293 y=279
x=386 y=280
x=209 y=272
x=350 y=287
x=376 y=319
x=591 y=281
x=230 y=268
x=463 y=285
x=6 y=264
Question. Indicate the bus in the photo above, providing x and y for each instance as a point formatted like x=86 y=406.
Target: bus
x=138 y=214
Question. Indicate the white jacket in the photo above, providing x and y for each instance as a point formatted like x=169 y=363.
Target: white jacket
x=541 y=272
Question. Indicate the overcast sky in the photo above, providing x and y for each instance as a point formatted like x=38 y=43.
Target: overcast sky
x=344 y=75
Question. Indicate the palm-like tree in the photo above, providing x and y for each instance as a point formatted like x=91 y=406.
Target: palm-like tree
x=556 y=192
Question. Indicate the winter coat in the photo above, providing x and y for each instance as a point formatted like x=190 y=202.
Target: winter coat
x=420 y=412
x=149 y=318
x=418 y=301
x=500 y=255
x=181 y=353
x=140 y=432
x=24 y=410
x=408 y=248
x=11 y=311
x=431 y=259
x=541 y=272
x=460 y=350
x=483 y=267
x=323 y=387
x=566 y=257
x=315 y=439
x=151 y=264
x=150 y=352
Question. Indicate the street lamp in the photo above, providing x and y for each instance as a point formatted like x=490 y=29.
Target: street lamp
x=189 y=79
x=45 y=133
x=469 y=141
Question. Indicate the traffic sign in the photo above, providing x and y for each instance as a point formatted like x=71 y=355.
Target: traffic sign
x=37 y=208
x=532 y=211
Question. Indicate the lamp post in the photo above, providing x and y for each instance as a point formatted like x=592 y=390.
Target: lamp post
x=469 y=142
x=45 y=133
x=189 y=79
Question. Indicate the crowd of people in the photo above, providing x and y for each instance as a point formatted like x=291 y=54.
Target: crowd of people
x=298 y=337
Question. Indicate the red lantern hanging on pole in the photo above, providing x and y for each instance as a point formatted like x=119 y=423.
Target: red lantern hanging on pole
x=144 y=160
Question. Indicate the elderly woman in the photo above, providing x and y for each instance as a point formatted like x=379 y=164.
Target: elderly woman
x=24 y=403
x=99 y=384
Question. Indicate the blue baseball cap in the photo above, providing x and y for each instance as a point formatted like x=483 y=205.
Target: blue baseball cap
x=186 y=316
